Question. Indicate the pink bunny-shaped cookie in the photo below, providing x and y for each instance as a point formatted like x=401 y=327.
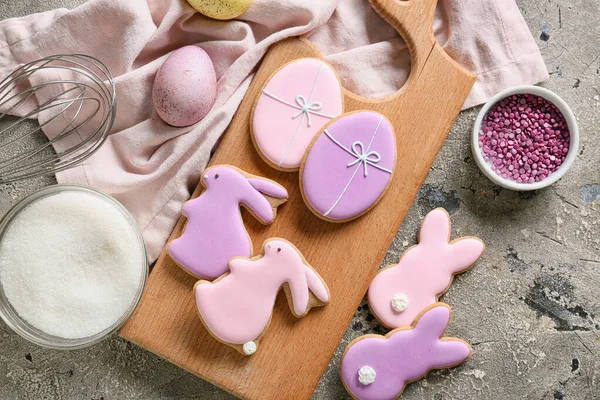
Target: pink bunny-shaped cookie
x=215 y=232
x=237 y=307
x=398 y=293
x=375 y=367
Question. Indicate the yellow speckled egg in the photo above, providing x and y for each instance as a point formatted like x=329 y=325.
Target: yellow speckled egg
x=221 y=9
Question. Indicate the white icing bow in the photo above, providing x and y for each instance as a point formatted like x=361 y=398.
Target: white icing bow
x=358 y=151
x=307 y=108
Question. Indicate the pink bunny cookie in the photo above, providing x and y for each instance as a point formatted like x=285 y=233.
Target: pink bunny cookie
x=375 y=367
x=399 y=292
x=237 y=308
x=215 y=232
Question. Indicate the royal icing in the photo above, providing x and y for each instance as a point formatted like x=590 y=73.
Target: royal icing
x=249 y=348
x=349 y=166
x=366 y=375
x=292 y=108
x=400 y=292
x=214 y=232
x=377 y=367
x=237 y=308
x=399 y=302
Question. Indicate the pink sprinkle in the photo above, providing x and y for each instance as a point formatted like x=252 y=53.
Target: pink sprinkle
x=537 y=133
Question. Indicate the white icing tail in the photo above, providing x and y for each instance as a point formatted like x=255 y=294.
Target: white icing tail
x=249 y=348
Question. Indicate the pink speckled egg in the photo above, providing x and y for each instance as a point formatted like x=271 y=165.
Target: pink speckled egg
x=185 y=87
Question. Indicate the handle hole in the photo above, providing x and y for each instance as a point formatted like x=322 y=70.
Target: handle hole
x=381 y=60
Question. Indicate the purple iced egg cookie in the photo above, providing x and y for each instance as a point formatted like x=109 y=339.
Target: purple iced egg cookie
x=349 y=166
x=185 y=87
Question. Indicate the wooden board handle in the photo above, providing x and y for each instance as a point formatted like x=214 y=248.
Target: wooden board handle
x=413 y=19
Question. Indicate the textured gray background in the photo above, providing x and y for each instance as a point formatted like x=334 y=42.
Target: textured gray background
x=530 y=308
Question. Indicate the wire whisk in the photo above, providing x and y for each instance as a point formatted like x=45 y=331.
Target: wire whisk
x=73 y=99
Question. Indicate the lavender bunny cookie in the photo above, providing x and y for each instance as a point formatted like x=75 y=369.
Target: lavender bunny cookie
x=215 y=232
x=375 y=367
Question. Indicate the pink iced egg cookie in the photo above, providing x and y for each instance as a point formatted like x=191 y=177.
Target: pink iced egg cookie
x=377 y=367
x=349 y=166
x=185 y=87
x=292 y=108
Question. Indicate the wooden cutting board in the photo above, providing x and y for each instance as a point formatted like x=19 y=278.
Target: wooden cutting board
x=295 y=352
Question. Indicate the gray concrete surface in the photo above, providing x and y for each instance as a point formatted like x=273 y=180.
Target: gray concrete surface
x=531 y=308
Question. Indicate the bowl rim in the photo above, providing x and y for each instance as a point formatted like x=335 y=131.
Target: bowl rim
x=570 y=119
x=35 y=335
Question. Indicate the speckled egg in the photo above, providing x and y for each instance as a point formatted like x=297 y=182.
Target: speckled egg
x=349 y=166
x=221 y=9
x=185 y=87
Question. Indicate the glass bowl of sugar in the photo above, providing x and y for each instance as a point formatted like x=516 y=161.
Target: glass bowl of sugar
x=73 y=266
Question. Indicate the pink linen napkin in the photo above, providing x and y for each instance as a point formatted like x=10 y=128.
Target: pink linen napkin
x=152 y=167
x=488 y=37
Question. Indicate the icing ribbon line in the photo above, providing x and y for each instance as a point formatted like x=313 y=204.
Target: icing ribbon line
x=362 y=159
x=360 y=155
x=306 y=107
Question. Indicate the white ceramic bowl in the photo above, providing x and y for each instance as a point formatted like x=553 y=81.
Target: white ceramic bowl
x=553 y=177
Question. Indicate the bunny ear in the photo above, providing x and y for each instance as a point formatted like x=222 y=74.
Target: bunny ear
x=316 y=284
x=434 y=321
x=436 y=227
x=465 y=253
x=451 y=352
x=268 y=187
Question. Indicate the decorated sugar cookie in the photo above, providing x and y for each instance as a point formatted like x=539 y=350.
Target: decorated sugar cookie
x=348 y=167
x=295 y=104
x=214 y=232
x=237 y=307
x=375 y=367
x=398 y=293
x=221 y=9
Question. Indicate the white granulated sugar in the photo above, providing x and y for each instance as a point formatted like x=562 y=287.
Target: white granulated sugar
x=71 y=264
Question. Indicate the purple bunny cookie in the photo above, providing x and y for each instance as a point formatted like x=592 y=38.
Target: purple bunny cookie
x=214 y=232
x=375 y=367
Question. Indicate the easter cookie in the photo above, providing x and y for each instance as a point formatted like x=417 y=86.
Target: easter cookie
x=375 y=367
x=237 y=308
x=399 y=292
x=221 y=9
x=294 y=105
x=185 y=87
x=349 y=166
x=215 y=232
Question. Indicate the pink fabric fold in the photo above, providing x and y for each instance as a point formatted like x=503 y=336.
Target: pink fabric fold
x=152 y=167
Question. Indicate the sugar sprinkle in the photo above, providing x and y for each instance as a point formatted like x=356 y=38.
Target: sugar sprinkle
x=524 y=138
